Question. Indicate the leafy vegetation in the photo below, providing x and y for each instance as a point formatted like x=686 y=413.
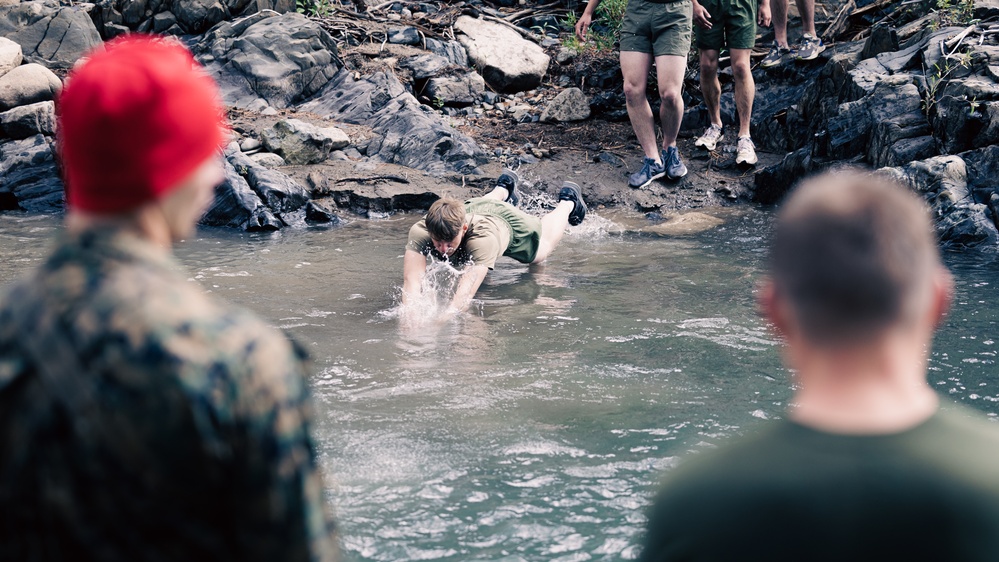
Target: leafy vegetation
x=604 y=30
x=317 y=8
x=956 y=12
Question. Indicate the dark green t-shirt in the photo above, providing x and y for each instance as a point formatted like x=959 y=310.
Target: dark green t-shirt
x=794 y=493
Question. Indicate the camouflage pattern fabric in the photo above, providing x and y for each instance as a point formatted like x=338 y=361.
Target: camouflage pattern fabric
x=142 y=420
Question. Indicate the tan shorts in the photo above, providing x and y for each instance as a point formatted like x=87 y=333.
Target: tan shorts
x=657 y=28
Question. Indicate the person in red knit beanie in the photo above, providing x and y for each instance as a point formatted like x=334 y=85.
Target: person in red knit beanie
x=141 y=419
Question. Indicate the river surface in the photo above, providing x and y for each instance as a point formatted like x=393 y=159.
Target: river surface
x=537 y=426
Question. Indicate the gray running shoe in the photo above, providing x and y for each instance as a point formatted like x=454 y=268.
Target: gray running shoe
x=674 y=167
x=709 y=140
x=651 y=171
x=508 y=180
x=746 y=152
x=810 y=47
x=777 y=56
x=571 y=192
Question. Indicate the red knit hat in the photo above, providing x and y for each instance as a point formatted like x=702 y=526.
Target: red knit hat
x=136 y=118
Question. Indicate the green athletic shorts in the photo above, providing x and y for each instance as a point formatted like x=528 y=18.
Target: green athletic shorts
x=657 y=28
x=525 y=229
x=734 y=25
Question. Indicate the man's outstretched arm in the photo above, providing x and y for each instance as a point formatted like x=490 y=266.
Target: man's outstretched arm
x=414 y=267
x=467 y=286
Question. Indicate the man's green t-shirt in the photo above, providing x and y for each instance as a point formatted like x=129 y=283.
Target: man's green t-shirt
x=495 y=229
x=794 y=493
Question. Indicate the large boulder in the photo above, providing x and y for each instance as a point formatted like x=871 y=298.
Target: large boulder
x=508 y=62
x=10 y=55
x=29 y=83
x=58 y=39
x=280 y=59
x=299 y=142
x=943 y=182
x=408 y=134
x=29 y=120
x=29 y=178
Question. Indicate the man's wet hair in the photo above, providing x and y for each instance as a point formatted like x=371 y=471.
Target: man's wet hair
x=445 y=219
x=854 y=254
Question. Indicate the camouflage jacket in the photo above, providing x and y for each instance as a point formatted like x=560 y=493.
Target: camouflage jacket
x=142 y=420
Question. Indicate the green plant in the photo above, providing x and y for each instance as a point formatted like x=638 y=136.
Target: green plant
x=956 y=12
x=437 y=102
x=610 y=13
x=317 y=8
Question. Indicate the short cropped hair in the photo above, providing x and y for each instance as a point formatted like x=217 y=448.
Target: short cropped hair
x=854 y=254
x=445 y=219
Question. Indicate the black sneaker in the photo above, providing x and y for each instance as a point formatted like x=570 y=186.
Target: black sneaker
x=508 y=180
x=571 y=192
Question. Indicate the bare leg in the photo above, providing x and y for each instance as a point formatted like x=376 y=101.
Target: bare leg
x=710 y=86
x=499 y=193
x=778 y=15
x=635 y=69
x=807 y=10
x=552 y=228
x=669 y=75
x=745 y=88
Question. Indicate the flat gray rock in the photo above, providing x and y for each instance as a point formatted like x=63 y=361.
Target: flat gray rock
x=29 y=120
x=508 y=62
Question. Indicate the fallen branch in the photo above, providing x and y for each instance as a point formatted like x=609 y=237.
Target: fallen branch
x=398 y=179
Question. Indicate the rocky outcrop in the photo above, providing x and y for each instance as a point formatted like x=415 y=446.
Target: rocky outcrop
x=912 y=101
x=29 y=178
x=506 y=61
x=175 y=17
x=408 y=134
x=269 y=59
x=29 y=120
x=49 y=34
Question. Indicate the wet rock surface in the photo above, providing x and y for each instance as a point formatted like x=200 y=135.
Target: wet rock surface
x=395 y=122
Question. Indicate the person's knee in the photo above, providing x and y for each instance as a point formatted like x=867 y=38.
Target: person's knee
x=741 y=70
x=670 y=96
x=634 y=90
x=708 y=65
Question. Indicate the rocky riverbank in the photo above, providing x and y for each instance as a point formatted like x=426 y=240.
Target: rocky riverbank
x=371 y=110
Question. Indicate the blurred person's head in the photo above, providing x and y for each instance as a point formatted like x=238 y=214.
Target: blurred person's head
x=445 y=222
x=140 y=131
x=853 y=258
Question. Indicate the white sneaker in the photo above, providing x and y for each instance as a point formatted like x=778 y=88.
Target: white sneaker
x=709 y=140
x=746 y=152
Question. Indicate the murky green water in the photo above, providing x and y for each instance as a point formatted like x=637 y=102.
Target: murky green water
x=535 y=428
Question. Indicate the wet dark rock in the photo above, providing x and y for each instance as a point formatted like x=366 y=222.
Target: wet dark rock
x=278 y=191
x=959 y=127
x=378 y=199
x=508 y=62
x=774 y=182
x=407 y=133
x=317 y=213
x=883 y=39
x=982 y=167
x=197 y=16
x=609 y=105
x=610 y=158
x=894 y=98
x=163 y=21
x=29 y=120
x=943 y=182
x=29 y=178
x=282 y=59
x=236 y=205
x=57 y=39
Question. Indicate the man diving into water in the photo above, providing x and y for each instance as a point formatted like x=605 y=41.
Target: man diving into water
x=476 y=233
